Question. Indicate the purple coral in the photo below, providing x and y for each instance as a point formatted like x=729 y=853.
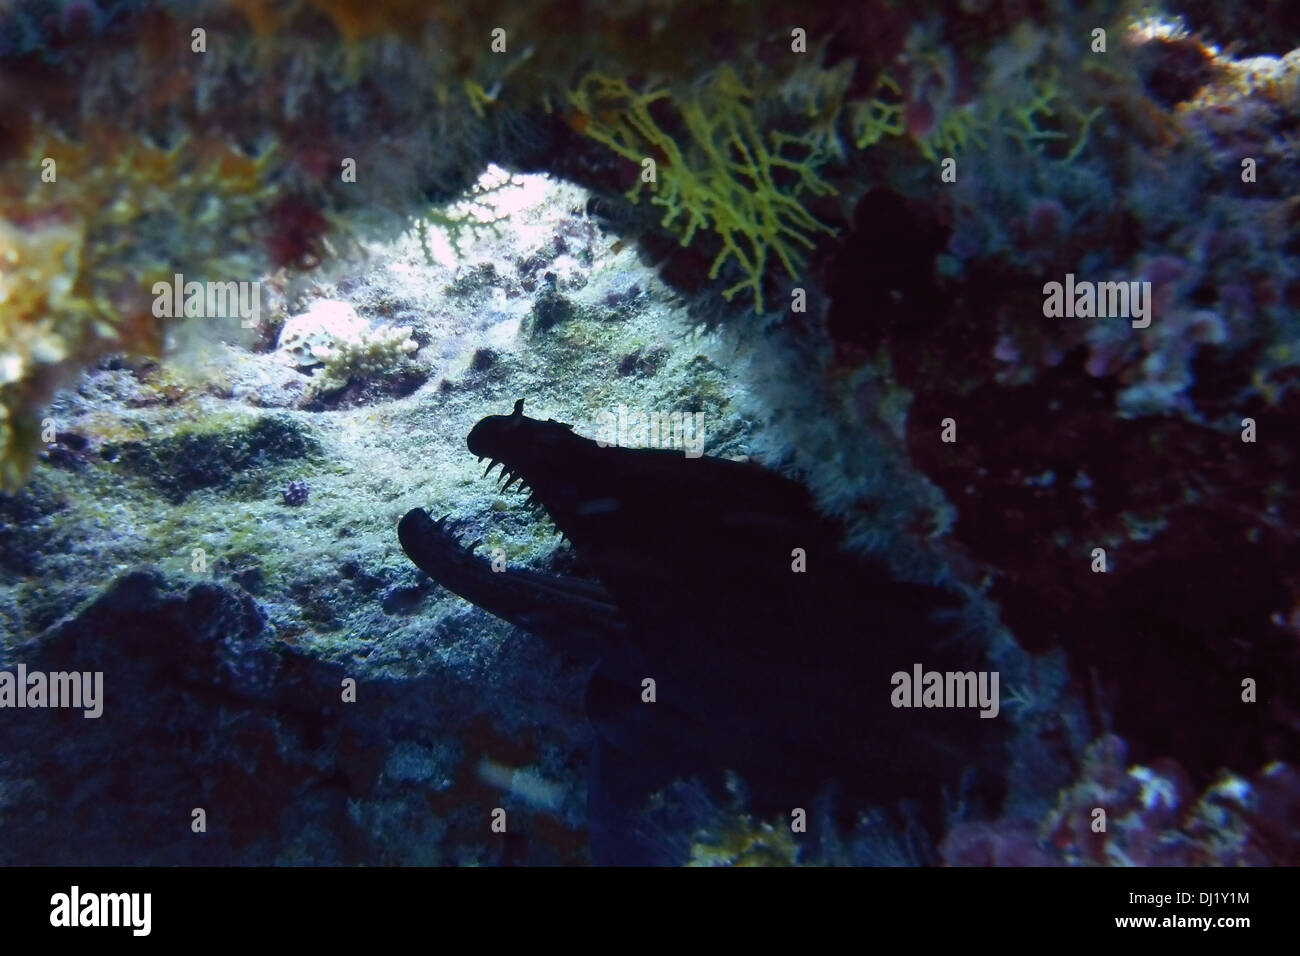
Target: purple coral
x=296 y=493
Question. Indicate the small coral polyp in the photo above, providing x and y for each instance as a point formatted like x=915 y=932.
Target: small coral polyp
x=375 y=354
x=339 y=345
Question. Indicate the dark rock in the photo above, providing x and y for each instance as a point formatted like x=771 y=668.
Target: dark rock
x=480 y=277
x=1173 y=70
x=72 y=440
x=182 y=463
x=362 y=578
x=1045 y=472
x=403 y=600
x=244 y=570
x=196 y=696
x=404 y=381
x=643 y=362
x=24 y=520
x=550 y=309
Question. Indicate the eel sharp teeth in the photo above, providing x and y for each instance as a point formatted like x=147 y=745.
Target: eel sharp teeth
x=492 y=464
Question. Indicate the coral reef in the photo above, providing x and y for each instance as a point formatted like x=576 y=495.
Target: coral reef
x=82 y=251
x=291 y=130
x=181 y=468
x=1076 y=434
x=228 y=716
x=332 y=153
x=1146 y=815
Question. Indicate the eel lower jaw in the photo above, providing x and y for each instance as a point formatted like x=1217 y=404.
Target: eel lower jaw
x=574 y=610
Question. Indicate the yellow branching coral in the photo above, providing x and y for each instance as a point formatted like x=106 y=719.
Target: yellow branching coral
x=1048 y=100
x=479 y=211
x=958 y=128
x=723 y=177
x=818 y=93
x=870 y=120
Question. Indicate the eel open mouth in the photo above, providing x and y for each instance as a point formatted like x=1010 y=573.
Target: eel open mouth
x=542 y=603
x=779 y=674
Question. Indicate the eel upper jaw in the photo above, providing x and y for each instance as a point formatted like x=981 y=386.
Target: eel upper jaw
x=526 y=450
x=507 y=477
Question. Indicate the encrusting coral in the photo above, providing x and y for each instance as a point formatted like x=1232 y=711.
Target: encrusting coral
x=375 y=354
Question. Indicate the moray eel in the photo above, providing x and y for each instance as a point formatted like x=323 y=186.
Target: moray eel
x=781 y=677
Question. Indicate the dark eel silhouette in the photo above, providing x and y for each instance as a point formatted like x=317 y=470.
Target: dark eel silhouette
x=778 y=676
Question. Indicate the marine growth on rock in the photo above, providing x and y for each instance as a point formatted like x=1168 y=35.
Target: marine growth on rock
x=649 y=433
